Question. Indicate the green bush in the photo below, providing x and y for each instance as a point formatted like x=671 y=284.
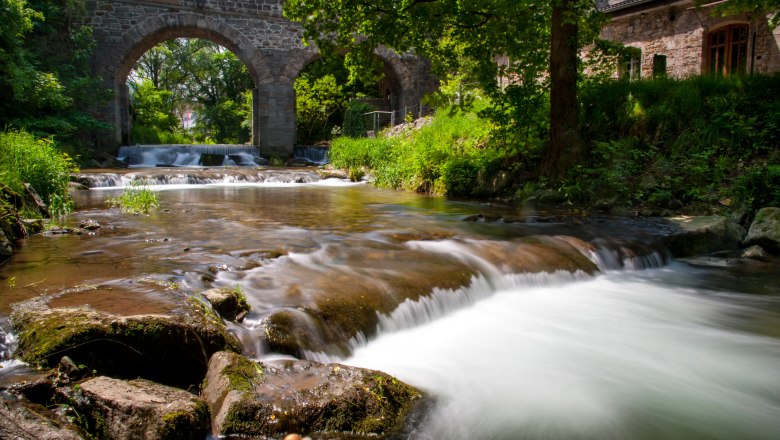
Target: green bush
x=27 y=159
x=663 y=142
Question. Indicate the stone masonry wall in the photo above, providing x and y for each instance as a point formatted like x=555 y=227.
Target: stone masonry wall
x=678 y=31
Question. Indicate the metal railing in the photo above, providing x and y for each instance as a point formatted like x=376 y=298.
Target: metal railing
x=378 y=120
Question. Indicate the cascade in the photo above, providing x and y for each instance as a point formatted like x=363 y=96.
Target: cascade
x=145 y=156
x=312 y=154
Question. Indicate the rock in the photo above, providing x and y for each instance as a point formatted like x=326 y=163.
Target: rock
x=765 y=230
x=6 y=247
x=89 y=225
x=229 y=303
x=172 y=349
x=30 y=422
x=118 y=409
x=33 y=225
x=755 y=253
x=255 y=399
x=701 y=235
x=36 y=199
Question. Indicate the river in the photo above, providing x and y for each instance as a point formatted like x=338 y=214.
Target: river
x=545 y=327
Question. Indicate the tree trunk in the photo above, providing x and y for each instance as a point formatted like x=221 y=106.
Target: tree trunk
x=565 y=147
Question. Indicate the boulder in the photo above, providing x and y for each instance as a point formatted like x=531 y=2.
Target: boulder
x=229 y=303
x=171 y=348
x=765 y=230
x=118 y=409
x=699 y=235
x=322 y=401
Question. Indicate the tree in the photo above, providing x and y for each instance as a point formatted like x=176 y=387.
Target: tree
x=470 y=35
x=193 y=73
x=46 y=85
x=730 y=7
x=317 y=101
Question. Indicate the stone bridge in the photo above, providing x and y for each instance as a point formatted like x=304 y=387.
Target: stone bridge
x=255 y=30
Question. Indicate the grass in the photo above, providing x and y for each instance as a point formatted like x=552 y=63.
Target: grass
x=443 y=157
x=138 y=198
x=39 y=162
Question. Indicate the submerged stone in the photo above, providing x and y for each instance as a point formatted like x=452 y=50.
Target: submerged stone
x=173 y=349
x=118 y=409
x=313 y=399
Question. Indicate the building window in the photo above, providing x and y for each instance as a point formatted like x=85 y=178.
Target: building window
x=727 y=50
x=659 y=66
x=631 y=66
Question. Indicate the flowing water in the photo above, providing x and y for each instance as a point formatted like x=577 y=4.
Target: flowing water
x=545 y=327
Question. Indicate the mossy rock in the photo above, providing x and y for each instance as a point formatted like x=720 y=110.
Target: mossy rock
x=171 y=349
x=318 y=400
x=229 y=303
x=118 y=409
x=765 y=230
x=701 y=235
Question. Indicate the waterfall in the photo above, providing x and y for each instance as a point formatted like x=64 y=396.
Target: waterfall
x=312 y=154
x=145 y=156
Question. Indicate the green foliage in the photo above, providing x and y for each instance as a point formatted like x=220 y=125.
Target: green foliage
x=668 y=143
x=45 y=73
x=152 y=107
x=316 y=102
x=355 y=120
x=138 y=198
x=197 y=74
x=27 y=159
x=731 y=7
x=480 y=40
x=449 y=156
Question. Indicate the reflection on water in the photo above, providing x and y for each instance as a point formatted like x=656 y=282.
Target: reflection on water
x=531 y=329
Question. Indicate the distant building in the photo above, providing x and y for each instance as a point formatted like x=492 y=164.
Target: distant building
x=677 y=39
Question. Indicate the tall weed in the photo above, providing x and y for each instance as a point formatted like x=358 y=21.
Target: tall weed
x=27 y=159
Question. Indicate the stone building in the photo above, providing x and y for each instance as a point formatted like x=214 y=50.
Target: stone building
x=676 y=38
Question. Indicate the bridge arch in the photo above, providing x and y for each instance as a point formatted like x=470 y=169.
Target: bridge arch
x=402 y=80
x=144 y=36
x=256 y=32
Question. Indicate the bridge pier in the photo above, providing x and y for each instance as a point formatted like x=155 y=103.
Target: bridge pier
x=274 y=119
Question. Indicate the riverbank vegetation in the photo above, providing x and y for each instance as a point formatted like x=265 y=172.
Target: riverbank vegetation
x=25 y=159
x=696 y=145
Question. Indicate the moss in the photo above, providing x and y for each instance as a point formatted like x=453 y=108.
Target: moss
x=185 y=425
x=173 y=350
x=244 y=374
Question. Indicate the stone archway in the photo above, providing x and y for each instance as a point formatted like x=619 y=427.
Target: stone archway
x=135 y=42
x=270 y=45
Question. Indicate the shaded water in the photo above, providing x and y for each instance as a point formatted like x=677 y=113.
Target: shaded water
x=549 y=327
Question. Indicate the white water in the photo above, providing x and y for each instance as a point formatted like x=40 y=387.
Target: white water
x=150 y=156
x=619 y=356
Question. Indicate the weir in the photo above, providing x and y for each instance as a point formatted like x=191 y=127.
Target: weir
x=312 y=154
x=146 y=156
